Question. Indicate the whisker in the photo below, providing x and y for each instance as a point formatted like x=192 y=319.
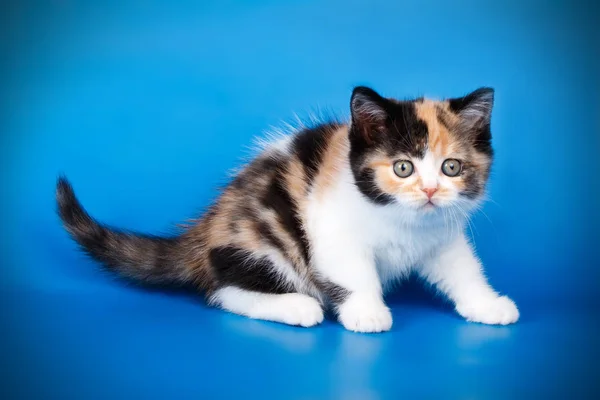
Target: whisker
x=468 y=219
x=456 y=220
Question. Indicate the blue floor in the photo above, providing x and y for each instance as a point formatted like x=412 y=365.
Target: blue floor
x=146 y=105
x=102 y=342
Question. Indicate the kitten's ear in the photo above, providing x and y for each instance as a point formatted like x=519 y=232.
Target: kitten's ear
x=475 y=109
x=368 y=112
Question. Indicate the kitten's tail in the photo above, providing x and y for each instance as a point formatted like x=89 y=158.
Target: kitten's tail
x=143 y=258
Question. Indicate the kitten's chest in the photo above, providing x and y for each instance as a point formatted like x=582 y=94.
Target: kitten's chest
x=405 y=248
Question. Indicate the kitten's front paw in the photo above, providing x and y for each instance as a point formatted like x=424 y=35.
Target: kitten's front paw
x=365 y=313
x=492 y=311
x=301 y=310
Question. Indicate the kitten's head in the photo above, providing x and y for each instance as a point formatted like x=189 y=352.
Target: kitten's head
x=422 y=154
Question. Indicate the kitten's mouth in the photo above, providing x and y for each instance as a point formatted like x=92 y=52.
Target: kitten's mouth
x=429 y=205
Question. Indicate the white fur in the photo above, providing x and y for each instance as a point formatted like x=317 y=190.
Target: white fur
x=289 y=308
x=428 y=170
x=362 y=312
x=364 y=247
x=276 y=140
x=458 y=273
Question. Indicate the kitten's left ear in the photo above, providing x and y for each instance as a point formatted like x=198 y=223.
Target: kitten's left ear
x=368 y=112
x=475 y=109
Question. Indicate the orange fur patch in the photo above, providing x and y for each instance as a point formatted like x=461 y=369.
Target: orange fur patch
x=439 y=136
x=218 y=227
x=295 y=180
x=387 y=179
x=333 y=157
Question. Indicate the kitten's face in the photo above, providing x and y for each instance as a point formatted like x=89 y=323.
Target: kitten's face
x=423 y=154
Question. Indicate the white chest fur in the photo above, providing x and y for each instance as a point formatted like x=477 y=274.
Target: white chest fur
x=395 y=238
x=406 y=248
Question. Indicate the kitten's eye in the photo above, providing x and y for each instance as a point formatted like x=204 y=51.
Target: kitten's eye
x=403 y=168
x=451 y=167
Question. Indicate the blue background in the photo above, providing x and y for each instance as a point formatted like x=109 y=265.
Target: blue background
x=146 y=106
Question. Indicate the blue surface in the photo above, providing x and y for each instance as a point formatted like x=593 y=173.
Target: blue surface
x=146 y=108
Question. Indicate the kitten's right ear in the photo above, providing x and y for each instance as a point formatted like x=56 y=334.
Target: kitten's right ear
x=368 y=112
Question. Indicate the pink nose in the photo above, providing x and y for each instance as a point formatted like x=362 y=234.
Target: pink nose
x=429 y=191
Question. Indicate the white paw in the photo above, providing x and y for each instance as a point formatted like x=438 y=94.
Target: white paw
x=365 y=313
x=299 y=309
x=492 y=311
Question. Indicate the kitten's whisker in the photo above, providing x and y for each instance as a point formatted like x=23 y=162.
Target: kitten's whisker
x=445 y=221
x=468 y=219
x=487 y=217
x=456 y=220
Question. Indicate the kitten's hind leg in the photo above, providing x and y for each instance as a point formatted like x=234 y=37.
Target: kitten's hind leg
x=287 y=308
x=261 y=287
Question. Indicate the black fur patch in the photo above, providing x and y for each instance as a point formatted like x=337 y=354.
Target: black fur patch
x=365 y=182
x=483 y=140
x=308 y=146
x=474 y=183
x=240 y=268
x=460 y=103
x=279 y=200
x=405 y=132
x=258 y=167
x=482 y=134
x=402 y=132
x=335 y=293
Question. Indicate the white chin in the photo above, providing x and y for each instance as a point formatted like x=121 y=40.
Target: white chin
x=429 y=207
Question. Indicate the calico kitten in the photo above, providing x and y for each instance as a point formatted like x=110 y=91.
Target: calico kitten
x=330 y=215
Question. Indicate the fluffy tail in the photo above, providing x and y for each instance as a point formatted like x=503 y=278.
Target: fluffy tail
x=143 y=258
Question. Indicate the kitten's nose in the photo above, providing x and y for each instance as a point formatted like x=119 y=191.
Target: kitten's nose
x=429 y=191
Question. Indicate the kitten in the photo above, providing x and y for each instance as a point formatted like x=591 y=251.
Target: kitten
x=331 y=215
